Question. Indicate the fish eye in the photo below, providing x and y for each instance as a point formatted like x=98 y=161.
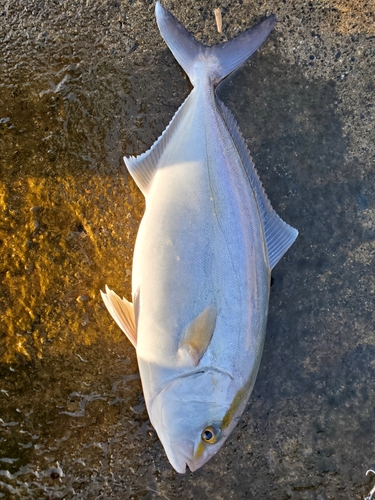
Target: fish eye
x=210 y=434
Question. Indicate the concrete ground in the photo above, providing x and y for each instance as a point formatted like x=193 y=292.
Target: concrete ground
x=84 y=82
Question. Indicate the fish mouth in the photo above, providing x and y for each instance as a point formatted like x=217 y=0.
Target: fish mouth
x=179 y=467
x=181 y=456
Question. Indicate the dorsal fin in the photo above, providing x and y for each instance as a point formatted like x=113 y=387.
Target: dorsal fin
x=122 y=311
x=197 y=335
x=279 y=235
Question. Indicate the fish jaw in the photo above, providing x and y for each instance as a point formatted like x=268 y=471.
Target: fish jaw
x=179 y=454
x=186 y=453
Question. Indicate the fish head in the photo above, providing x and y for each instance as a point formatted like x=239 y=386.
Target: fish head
x=193 y=416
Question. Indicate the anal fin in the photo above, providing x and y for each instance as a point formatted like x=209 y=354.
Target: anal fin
x=143 y=167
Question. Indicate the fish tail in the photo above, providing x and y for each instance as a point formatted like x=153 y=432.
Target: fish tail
x=217 y=61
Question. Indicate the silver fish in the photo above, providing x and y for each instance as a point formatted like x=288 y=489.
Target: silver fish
x=202 y=260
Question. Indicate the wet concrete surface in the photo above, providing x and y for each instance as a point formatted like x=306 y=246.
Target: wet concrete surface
x=83 y=83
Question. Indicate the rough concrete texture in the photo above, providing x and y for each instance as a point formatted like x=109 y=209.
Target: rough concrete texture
x=83 y=82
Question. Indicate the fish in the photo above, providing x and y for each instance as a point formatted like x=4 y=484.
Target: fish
x=203 y=256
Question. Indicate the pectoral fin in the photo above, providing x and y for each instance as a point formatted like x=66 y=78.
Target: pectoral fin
x=198 y=334
x=122 y=311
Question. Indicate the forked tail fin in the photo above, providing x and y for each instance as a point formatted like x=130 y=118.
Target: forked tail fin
x=217 y=61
